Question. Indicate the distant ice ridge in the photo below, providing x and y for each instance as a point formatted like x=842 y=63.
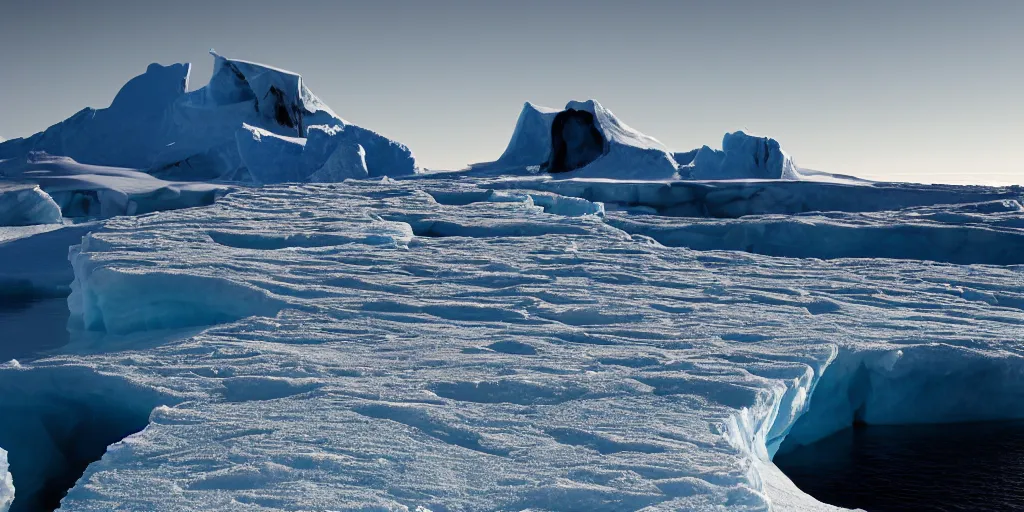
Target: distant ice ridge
x=153 y=124
x=25 y=205
x=95 y=191
x=586 y=140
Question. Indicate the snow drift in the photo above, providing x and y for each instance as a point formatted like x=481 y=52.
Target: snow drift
x=153 y=124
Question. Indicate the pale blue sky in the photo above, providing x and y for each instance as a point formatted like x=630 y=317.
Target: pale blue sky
x=906 y=90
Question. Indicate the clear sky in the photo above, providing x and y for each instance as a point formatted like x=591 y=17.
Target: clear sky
x=886 y=89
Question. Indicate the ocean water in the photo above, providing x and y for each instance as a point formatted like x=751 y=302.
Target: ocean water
x=953 y=467
x=30 y=326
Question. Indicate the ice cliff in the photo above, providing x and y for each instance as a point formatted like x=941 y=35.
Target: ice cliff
x=154 y=124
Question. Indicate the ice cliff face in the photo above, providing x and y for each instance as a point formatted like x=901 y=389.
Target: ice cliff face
x=742 y=156
x=153 y=124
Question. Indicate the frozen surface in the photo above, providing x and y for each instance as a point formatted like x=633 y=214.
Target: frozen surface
x=81 y=190
x=154 y=125
x=483 y=346
x=26 y=205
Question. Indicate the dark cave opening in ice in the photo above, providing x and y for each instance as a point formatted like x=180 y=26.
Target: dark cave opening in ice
x=575 y=141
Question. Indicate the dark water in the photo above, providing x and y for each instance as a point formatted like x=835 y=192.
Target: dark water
x=29 y=326
x=958 y=467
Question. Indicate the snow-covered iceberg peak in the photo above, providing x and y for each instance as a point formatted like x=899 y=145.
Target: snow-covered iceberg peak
x=742 y=156
x=531 y=139
x=279 y=96
x=153 y=124
x=586 y=140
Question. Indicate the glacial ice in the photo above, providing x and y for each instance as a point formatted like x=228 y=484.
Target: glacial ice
x=24 y=205
x=154 y=125
x=619 y=152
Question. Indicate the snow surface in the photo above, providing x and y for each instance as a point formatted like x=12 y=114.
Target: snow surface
x=486 y=345
x=24 y=205
x=154 y=125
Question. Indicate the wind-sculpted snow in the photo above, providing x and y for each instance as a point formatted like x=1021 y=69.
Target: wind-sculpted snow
x=154 y=125
x=432 y=345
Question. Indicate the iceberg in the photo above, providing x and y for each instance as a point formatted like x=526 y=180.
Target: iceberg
x=154 y=125
x=742 y=157
x=531 y=140
x=583 y=140
x=23 y=205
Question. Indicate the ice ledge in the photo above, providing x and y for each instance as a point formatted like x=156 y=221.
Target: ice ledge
x=915 y=384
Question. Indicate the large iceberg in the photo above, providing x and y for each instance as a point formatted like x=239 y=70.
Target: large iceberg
x=742 y=156
x=154 y=125
x=585 y=140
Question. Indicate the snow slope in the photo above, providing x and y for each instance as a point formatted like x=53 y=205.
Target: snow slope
x=438 y=345
x=153 y=124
